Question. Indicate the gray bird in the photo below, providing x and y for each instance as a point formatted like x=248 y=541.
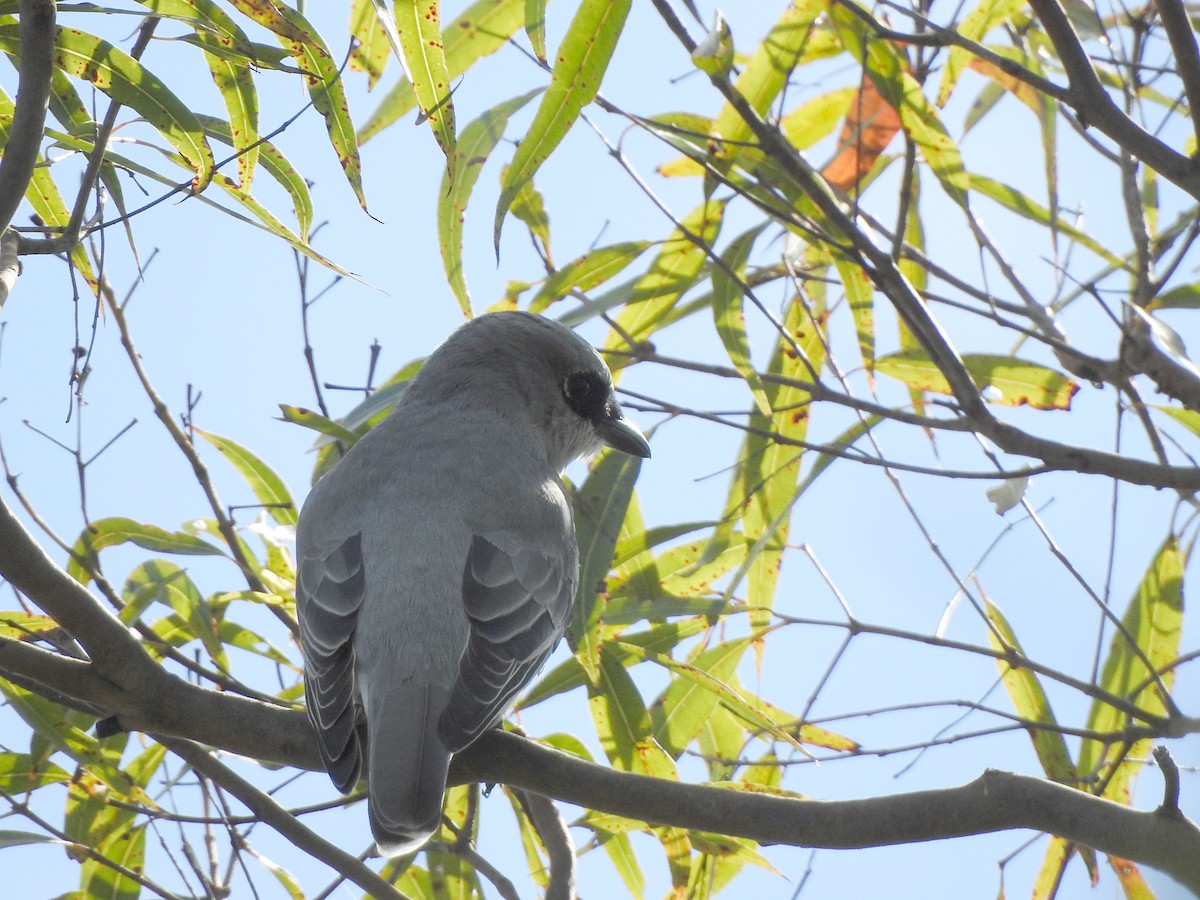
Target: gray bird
x=437 y=563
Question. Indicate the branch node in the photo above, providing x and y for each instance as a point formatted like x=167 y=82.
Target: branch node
x=1170 y=771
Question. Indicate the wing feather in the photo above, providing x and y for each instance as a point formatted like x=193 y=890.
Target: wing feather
x=517 y=599
x=329 y=593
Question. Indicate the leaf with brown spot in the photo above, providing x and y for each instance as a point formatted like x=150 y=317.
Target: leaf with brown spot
x=1018 y=381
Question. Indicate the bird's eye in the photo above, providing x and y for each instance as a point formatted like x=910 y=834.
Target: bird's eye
x=577 y=387
x=585 y=393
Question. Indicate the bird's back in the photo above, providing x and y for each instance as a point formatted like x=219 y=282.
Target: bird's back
x=412 y=495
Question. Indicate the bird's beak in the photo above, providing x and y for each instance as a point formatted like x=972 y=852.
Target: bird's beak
x=621 y=434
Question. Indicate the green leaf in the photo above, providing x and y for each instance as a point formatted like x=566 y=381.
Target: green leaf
x=42 y=194
x=278 y=167
x=165 y=582
x=642 y=543
x=686 y=705
x=815 y=119
x=223 y=42
x=232 y=634
x=418 y=25
x=1185 y=296
x=763 y=489
x=766 y=73
x=21 y=838
x=117 y=530
x=1018 y=381
x=1030 y=701
x=678 y=582
x=18 y=625
x=324 y=81
x=1021 y=204
x=622 y=722
x=579 y=68
x=1154 y=621
x=705 y=681
x=974 y=26
x=289 y=882
x=529 y=207
x=125 y=80
x=569 y=674
x=588 y=271
x=482 y=29
x=268 y=487
x=124 y=844
x=53 y=724
x=475 y=145
x=531 y=842
x=601 y=504
x=372 y=48
x=268 y=223
x=619 y=849
x=535 y=27
x=21 y=773
x=676 y=268
x=319 y=424
x=729 y=315
x=860 y=294
x=723 y=738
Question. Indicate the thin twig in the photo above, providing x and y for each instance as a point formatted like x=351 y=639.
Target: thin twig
x=278 y=818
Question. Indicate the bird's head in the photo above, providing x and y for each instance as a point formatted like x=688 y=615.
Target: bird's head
x=523 y=365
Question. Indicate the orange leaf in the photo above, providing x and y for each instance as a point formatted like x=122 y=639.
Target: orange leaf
x=870 y=125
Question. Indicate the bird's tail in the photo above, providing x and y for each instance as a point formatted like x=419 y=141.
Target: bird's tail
x=407 y=765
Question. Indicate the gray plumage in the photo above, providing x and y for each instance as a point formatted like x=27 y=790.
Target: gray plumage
x=437 y=563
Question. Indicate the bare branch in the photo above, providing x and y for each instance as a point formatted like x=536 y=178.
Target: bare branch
x=188 y=449
x=1097 y=109
x=1053 y=454
x=948 y=37
x=996 y=801
x=10 y=264
x=84 y=850
x=1187 y=57
x=29 y=115
x=556 y=838
x=114 y=651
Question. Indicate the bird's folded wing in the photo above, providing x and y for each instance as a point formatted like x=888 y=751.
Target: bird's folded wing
x=329 y=592
x=517 y=600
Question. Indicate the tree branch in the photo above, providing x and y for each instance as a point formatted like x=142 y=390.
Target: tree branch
x=1187 y=58
x=1096 y=108
x=1054 y=455
x=10 y=263
x=115 y=652
x=552 y=828
x=996 y=801
x=29 y=115
x=71 y=682
x=940 y=36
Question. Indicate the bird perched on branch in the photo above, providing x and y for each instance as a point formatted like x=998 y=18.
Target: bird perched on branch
x=437 y=563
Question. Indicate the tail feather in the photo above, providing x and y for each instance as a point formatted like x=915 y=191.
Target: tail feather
x=407 y=766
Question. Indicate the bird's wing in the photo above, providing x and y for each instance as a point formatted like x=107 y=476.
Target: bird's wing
x=517 y=597
x=329 y=592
